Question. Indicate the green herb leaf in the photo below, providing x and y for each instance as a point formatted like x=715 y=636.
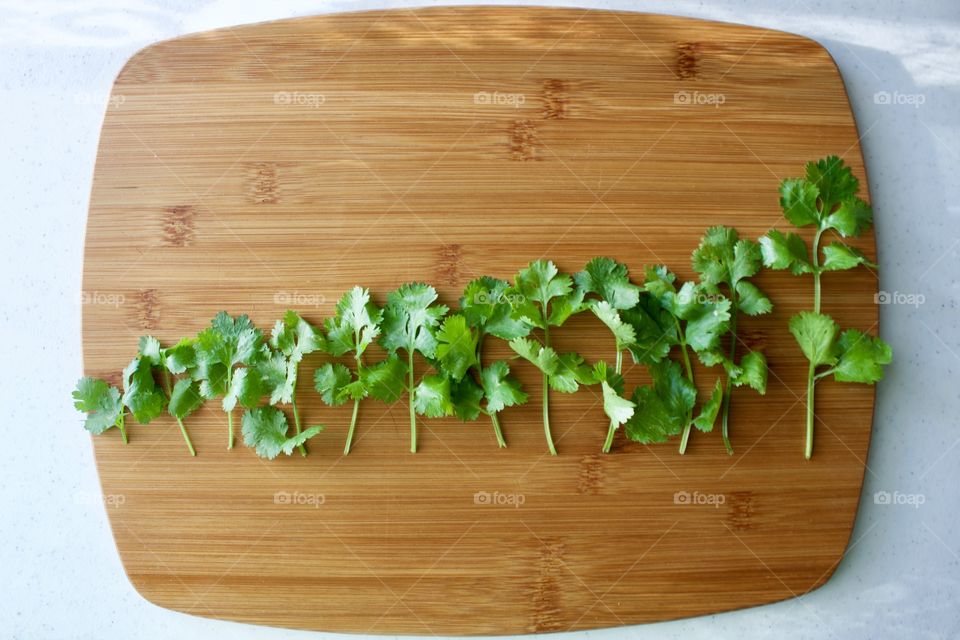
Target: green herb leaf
x=356 y=325
x=839 y=257
x=661 y=409
x=752 y=372
x=501 y=389
x=101 y=402
x=410 y=319
x=432 y=397
x=486 y=304
x=816 y=334
x=608 y=278
x=456 y=346
x=140 y=392
x=294 y=337
x=624 y=333
x=265 y=430
x=785 y=252
x=861 y=357
x=466 y=395
x=752 y=301
x=543 y=296
x=185 y=398
x=852 y=217
x=710 y=410
x=385 y=381
x=331 y=381
x=798 y=199
x=833 y=179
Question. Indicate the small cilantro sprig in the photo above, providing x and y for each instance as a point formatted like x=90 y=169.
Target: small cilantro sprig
x=292 y=338
x=353 y=329
x=725 y=262
x=484 y=310
x=225 y=352
x=699 y=319
x=265 y=431
x=609 y=282
x=826 y=198
x=410 y=322
x=543 y=297
x=183 y=396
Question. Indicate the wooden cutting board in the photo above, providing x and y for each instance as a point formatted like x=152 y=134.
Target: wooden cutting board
x=269 y=166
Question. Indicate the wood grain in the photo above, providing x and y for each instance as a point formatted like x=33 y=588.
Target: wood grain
x=270 y=166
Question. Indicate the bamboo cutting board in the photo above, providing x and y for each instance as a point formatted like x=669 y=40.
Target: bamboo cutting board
x=270 y=166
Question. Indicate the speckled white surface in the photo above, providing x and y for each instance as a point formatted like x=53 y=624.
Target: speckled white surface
x=61 y=577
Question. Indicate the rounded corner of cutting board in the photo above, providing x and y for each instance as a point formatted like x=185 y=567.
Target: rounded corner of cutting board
x=602 y=106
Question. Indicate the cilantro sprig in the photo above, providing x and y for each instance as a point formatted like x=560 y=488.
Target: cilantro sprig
x=543 y=297
x=826 y=199
x=699 y=320
x=292 y=338
x=225 y=353
x=725 y=263
x=354 y=328
x=182 y=394
x=410 y=321
x=608 y=291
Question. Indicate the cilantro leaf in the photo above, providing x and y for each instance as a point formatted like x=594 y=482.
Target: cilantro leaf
x=410 y=320
x=356 y=324
x=544 y=297
x=331 y=381
x=294 y=337
x=384 y=381
x=101 y=402
x=486 y=304
x=785 y=252
x=839 y=257
x=851 y=218
x=654 y=328
x=798 y=199
x=833 y=180
x=465 y=396
x=861 y=357
x=662 y=409
x=185 y=398
x=140 y=392
x=816 y=334
x=432 y=397
x=456 y=346
x=265 y=430
x=500 y=389
x=608 y=278
x=710 y=410
x=565 y=372
x=623 y=332
x=752 y=372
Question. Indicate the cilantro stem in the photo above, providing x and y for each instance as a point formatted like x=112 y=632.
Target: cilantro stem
x=686 y=364
x=612 y=429
x=296 y=418
x=183 y=429
x=725 y=431
x=811 y=370
x=123 y=429
x=546 y=394
x=413 y=415
x=353 y=423
x=229 y=413
x=493 y=415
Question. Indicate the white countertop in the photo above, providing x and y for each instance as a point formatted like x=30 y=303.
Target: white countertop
x=61 y=575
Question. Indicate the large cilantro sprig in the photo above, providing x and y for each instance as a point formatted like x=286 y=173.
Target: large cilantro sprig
x=826 y=198
x=353 y=329
x=608 y=290
x=700 y=319
x=292 y=338
x=725 y=262
x=225 y=352
x=485 y=310
x=543 y=297
x=410 y=321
